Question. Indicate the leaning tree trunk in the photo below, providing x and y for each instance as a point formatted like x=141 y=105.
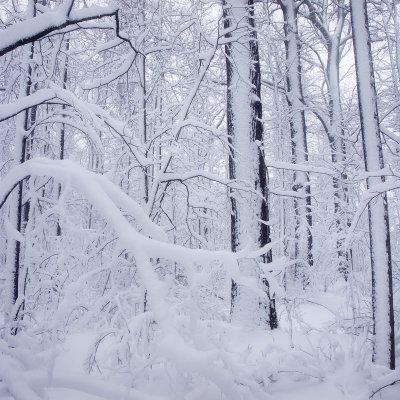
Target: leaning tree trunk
x=301 y=183
x=381 y=266
x=249 y=206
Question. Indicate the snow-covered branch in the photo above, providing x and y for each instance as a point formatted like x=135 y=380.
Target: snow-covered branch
x=58 y=18
x=300 y=167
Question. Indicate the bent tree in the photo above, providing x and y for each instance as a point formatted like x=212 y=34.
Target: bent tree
x=378 y=218
x=249 y=203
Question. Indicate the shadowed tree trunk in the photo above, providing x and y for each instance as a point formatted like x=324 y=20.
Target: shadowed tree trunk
x=378 y=218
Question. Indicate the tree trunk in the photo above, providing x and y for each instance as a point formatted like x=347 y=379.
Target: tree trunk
x=381 y=265
x=142 y=112
x=249 y=206
x=62 y=130
x=301 y=183
x=19 y=212
x=334 y=129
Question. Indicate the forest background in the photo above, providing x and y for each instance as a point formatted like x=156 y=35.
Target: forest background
x=200 y=197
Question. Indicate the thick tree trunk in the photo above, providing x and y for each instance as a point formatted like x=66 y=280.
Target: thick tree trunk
x=246 y=160
x=381 y=266
x=301 y=184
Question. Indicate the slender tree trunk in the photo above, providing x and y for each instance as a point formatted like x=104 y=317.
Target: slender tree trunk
x=19 y=212
x=334 y=127
x=381 y=265
x=142 y=115
x=62 y=130
x=338 y=148
x=249 y=206
x=301 y=184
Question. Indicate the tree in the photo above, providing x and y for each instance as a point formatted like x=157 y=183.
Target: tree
x=249 y=205
x=333 y=43
x=378 y=218
x=301 y=180
x=158 y=142
x=37 y=27
x=22 y=36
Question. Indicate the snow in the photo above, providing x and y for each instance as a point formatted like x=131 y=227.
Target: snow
x=377 y=207
x=188 y=357
x=300 y=167
x=320 y=364
x=95 y=115
x=169 y=336
x=298 y=137
x=51 y=20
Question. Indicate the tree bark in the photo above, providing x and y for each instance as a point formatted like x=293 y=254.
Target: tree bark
x=298 y=133
x=334 y=129
x=19 y=212
x=249 y=206
x=378 y=218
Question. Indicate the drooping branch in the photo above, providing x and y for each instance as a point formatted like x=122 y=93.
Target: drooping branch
x=109 y=199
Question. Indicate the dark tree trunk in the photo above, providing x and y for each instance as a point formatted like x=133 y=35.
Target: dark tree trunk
x=378 y=217
x=22 y=209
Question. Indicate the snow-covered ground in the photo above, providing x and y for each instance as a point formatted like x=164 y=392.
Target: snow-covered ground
x=311 y=358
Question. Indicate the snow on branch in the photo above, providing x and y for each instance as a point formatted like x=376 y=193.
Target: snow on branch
x=145 y=245
x=301 y=167
x=38 y=27
x=12 y=109
x=94 y=113
x=386 y=381
x=109 y=199
x=368 y=196
x=97 y=188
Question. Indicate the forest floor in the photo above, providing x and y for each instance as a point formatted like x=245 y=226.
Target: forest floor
x=309 y=357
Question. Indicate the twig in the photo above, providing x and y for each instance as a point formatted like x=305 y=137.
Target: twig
x=383 y=387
